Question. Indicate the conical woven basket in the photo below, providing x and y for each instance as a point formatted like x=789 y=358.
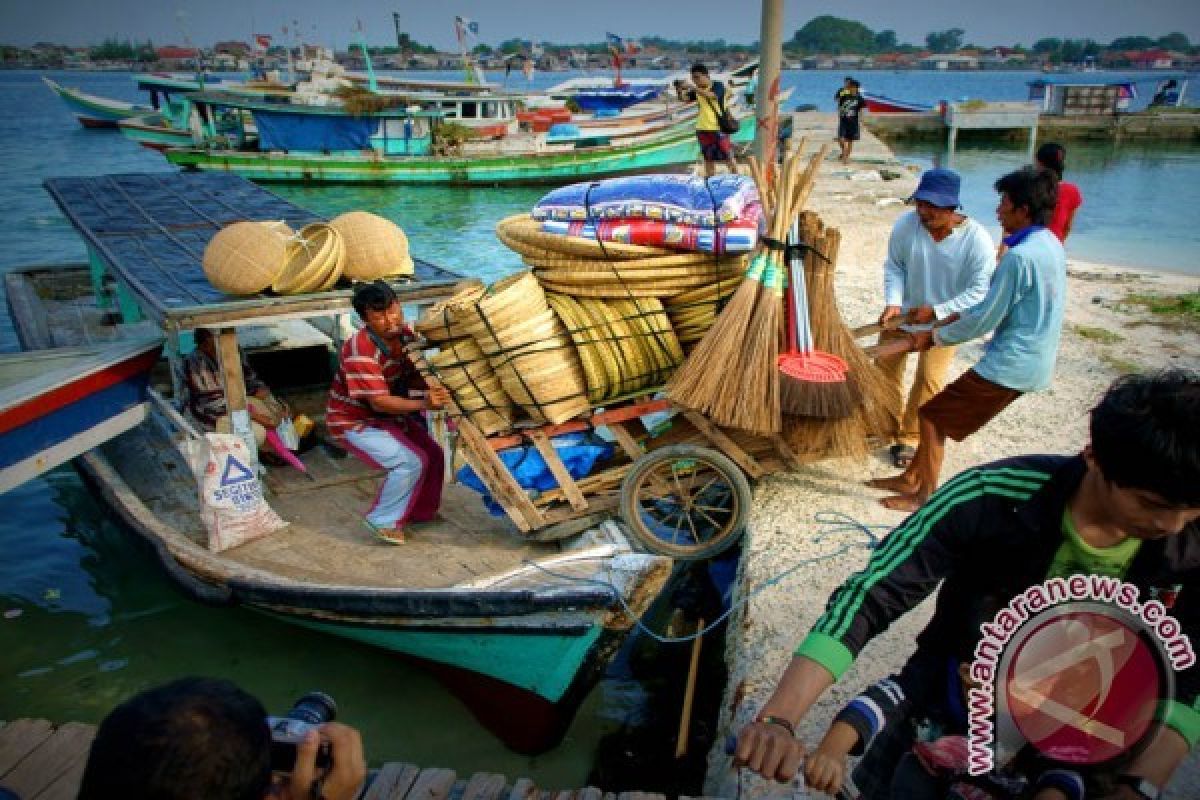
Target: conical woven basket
x=507 y=302
x=448 y=319
x=315 y=261
x=375 y=247
x=245 y=257
x=462 y=368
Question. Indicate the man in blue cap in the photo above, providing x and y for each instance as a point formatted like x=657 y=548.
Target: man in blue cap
x=939 y=263
x=1023 y=307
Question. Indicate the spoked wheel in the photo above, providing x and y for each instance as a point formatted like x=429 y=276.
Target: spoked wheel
x=686 y=502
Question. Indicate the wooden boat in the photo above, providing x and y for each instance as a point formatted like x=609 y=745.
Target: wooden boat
x=94 y=111
x=57 y=404
x=521 y=629
x=614 y=98
x=1080 y=95
x=881 y=104
x=401 y=146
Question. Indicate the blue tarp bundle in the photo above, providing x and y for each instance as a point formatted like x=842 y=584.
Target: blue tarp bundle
x=313 y=132
x=579 y=452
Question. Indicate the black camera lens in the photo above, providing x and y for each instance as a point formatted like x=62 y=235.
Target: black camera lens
x=315 y=708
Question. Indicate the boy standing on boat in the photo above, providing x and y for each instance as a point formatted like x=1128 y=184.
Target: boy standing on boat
x=711 y=98
x=850 y=105
x=372 y=413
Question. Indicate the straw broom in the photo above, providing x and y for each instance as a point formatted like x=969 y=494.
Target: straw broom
x=727 y=376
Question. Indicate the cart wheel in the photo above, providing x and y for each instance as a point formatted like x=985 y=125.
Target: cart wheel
x=686 y=502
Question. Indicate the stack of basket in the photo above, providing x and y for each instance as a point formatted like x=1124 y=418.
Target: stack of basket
x=589 y=268
x=693 y=312
x=246 y=258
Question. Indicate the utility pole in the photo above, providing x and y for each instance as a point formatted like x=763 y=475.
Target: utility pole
x=766 y=99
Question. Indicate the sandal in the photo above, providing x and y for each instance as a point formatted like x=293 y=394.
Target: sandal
x=902 y=455
x=393 y=536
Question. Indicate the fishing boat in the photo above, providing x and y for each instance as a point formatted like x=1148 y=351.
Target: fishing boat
x=881 y=104
x=614 y=98
x=94 y=111
x=57 y=404
x=520 y=629
x=1071 y=95
x=402 y=145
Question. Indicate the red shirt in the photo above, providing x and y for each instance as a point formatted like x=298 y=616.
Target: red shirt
x=1069 y=200
x=366 y=371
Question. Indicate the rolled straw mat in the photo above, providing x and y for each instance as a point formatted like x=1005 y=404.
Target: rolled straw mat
x=522 y=231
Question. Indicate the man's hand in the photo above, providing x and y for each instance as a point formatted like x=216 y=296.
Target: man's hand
x=922 y=340
x=343 y=779
x=438 y=396
x=769 y=750
x=825 y=772
x=922 y=315
x=889 y=313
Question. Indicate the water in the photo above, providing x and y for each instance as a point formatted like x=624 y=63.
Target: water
x=90 y=619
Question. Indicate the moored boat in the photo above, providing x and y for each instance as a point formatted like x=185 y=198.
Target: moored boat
x=521 y=629
x=59 y=403
x=94 y=111
x=881 y=104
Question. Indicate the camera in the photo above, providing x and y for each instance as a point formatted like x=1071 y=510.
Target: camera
x=311 y=711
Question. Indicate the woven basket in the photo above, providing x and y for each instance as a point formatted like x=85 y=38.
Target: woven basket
x=315 y=261
x=522 y=231
x=507 y=302
x=245 y=257
x=448 y=319
x=462 y=368
x=537 y=365
x=375 y=247
x=618 y=290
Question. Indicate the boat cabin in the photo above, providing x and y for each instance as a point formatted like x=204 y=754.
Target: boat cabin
x=1070 y=96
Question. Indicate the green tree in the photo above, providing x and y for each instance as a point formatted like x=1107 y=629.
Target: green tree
x=885 y=41
x=1175 y=41
x=947 y=41
x=829 y=34
x=1132 y=43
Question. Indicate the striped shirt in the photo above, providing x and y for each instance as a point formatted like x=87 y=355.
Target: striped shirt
x=366 y=371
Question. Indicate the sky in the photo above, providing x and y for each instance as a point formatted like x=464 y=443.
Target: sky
x=986 y=22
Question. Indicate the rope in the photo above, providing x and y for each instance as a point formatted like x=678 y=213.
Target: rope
x=834 y=522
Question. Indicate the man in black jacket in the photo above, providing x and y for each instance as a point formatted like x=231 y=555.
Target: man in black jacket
x=1128 y=506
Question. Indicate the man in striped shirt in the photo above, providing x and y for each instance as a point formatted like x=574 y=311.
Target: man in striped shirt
x=374 y=410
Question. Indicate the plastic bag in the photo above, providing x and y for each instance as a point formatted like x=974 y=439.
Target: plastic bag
x=231 y=497
x=287 y=433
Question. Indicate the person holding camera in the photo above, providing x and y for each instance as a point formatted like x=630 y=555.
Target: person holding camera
x=207 y=739
x=710 y=96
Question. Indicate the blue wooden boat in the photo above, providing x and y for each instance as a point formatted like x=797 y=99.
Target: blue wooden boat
x=521 y=629
x=614 y=98
x=58 y=404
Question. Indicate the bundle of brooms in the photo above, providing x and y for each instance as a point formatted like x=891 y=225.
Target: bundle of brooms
x=732 y=374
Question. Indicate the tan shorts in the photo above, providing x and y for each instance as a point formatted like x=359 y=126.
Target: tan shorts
x=967 y=405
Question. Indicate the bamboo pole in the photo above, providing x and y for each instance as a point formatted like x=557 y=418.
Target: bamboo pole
x=689 y=693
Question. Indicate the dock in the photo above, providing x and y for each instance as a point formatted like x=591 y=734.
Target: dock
x=1166 y=125
x=43 y=761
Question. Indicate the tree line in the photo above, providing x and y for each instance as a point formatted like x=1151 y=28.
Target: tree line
x=832 y=35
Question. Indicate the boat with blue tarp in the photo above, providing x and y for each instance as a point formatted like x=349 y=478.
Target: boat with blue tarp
x=519 y=628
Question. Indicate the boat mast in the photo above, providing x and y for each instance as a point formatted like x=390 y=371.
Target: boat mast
x=362 y=43
x=770 y=53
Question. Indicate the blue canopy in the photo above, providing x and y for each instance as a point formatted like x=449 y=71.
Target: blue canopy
x=313 y=132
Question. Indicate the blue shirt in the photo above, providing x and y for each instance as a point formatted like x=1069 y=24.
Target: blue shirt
x=1024 y=306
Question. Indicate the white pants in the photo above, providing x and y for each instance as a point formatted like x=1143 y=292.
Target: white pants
x=403 y=471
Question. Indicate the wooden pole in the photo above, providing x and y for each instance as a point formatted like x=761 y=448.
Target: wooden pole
x=689 y=693
x=234 y=384
x=766 y=99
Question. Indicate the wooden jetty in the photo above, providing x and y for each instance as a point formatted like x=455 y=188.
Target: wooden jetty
x=43 y=761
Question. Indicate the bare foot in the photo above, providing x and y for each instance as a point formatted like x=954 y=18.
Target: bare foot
x=902 y=483
x=908 y=503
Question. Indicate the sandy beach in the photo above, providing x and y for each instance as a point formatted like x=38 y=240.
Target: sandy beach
x=1103 y=337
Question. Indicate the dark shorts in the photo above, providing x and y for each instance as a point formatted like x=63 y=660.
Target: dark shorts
x=848 y=129
x=967 y=405
x=714 y=145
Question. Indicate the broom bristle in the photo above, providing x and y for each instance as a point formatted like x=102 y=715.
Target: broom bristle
x=698 y=384
x=833 y=400
x=755 y=407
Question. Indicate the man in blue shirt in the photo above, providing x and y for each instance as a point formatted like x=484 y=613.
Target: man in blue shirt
x=1024 y=307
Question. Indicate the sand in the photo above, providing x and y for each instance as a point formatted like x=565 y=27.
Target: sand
x=1101 y=339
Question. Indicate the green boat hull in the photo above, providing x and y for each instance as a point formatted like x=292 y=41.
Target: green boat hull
x=677 y=146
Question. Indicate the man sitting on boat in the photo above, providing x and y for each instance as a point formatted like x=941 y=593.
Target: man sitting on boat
x=206 y=395
x=374 y=411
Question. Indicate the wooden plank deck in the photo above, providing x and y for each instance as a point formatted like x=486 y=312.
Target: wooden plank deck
x=43 y=761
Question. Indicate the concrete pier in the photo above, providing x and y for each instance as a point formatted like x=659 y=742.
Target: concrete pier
x=1150 y=126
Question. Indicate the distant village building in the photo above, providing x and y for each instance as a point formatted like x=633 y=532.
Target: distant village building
x=172 y=57
x=949 y=61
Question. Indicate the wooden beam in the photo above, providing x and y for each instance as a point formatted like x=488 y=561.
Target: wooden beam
x=625 y=439
x=559 y=470
x=726 y=445
x=623 y=414
x=786 y=452
x=234 y=383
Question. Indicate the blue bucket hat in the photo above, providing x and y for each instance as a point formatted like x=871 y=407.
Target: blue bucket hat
x=938 y=187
